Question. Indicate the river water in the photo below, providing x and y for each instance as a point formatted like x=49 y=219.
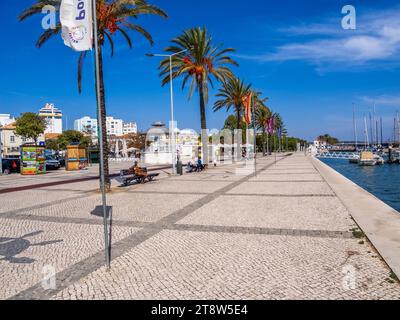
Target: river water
x=382 y=181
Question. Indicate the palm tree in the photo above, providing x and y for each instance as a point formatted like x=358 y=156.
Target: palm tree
x=201 y=62
x=231 y=95
x=113 y=17
x=263 y=115
x=280 y=127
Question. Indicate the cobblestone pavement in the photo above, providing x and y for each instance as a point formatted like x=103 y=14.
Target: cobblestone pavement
x=282 y=234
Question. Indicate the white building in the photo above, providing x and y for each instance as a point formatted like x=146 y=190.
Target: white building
x=11 y=142
x=87 y=125
x=5 y=119
x=129 y=128
x=115 y=127
x=53 y=117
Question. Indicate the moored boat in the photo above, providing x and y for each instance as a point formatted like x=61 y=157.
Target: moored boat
x=354 y=159
x=367 y=158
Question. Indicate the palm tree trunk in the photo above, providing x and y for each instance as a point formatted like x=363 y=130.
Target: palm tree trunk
x=239 y=136
x=263 y=143
x=103 y=116
x=204 y=133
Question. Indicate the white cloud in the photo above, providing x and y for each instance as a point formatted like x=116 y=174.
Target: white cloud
x=383 y=100
x=377 y=39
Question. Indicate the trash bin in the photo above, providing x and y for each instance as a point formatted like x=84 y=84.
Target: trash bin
x=179 y=168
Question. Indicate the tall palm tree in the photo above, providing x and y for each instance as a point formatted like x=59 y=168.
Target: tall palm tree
x=200 y=64
x=113 y=17
x=231 y=95
x=263 y=115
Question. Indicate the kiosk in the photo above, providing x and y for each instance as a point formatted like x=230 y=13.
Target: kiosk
x=76 y=158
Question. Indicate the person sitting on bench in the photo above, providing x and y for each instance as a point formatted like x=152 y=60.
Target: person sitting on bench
x=190 y=167
x=138 y=171
x=200 y=166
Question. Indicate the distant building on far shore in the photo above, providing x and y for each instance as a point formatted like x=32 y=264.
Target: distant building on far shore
x=53 y=117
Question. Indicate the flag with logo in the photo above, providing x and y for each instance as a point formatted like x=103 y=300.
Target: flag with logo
x=247 y=107
x=76 y=22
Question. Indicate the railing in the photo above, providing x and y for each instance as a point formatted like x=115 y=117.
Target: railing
x=336 y=155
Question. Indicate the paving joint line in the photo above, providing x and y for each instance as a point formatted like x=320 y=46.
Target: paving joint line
x=79 y=270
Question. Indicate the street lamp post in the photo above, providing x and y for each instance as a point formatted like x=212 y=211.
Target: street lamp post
x=173 y=138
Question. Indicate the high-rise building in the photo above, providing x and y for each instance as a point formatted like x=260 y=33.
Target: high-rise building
x=53 y=117
x=129 y=128
x=86 y=125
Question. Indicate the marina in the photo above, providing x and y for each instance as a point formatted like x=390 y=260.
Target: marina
x=381 y=181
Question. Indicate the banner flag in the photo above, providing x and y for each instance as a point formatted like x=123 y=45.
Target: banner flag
x=271 y=125
x=247 y=108
x=76 y=21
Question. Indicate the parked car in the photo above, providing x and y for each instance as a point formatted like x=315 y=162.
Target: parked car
x=11 y=165
x=61 y=160
x=52 y=163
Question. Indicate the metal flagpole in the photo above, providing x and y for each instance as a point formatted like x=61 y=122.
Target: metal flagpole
x=275 y=148
x=255 y=136
x=100 y=126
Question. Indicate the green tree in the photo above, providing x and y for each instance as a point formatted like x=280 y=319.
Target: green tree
x=30 y=126
x=263 y=115
x=231 y=95
x=328 y=139
x=52 y=144
x=113 y=17
x=73 y=137
x=202 y=62
x=231 y=123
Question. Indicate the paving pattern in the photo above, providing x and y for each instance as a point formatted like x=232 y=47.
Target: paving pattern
x=282 y=234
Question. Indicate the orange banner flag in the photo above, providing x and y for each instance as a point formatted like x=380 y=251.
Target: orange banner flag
x=247 y=107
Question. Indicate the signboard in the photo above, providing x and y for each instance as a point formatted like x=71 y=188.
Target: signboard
x=33 y=160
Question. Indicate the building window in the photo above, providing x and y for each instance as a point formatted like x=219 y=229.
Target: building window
x=12 y=139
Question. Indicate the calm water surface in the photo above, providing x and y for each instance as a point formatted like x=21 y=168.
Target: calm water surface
x=381 y=181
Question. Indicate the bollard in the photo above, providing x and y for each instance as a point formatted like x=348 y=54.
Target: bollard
x=179 y=168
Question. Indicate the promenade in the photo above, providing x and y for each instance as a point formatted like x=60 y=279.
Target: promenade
x=221 y=234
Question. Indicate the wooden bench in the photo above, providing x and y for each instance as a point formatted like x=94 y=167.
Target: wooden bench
x=127 y=177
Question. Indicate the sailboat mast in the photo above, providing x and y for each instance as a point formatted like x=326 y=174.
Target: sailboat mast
x=376 y=126
x=355 y=126
x=381 y=132
x=371 y=129
x=366 y=132
x=398 y=127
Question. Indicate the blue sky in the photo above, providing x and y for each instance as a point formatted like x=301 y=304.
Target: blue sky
x=295 y=52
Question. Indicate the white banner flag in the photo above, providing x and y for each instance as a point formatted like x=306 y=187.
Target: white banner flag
x=76 y=21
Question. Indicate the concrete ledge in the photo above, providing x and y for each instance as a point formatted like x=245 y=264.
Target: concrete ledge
x=380 y=222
